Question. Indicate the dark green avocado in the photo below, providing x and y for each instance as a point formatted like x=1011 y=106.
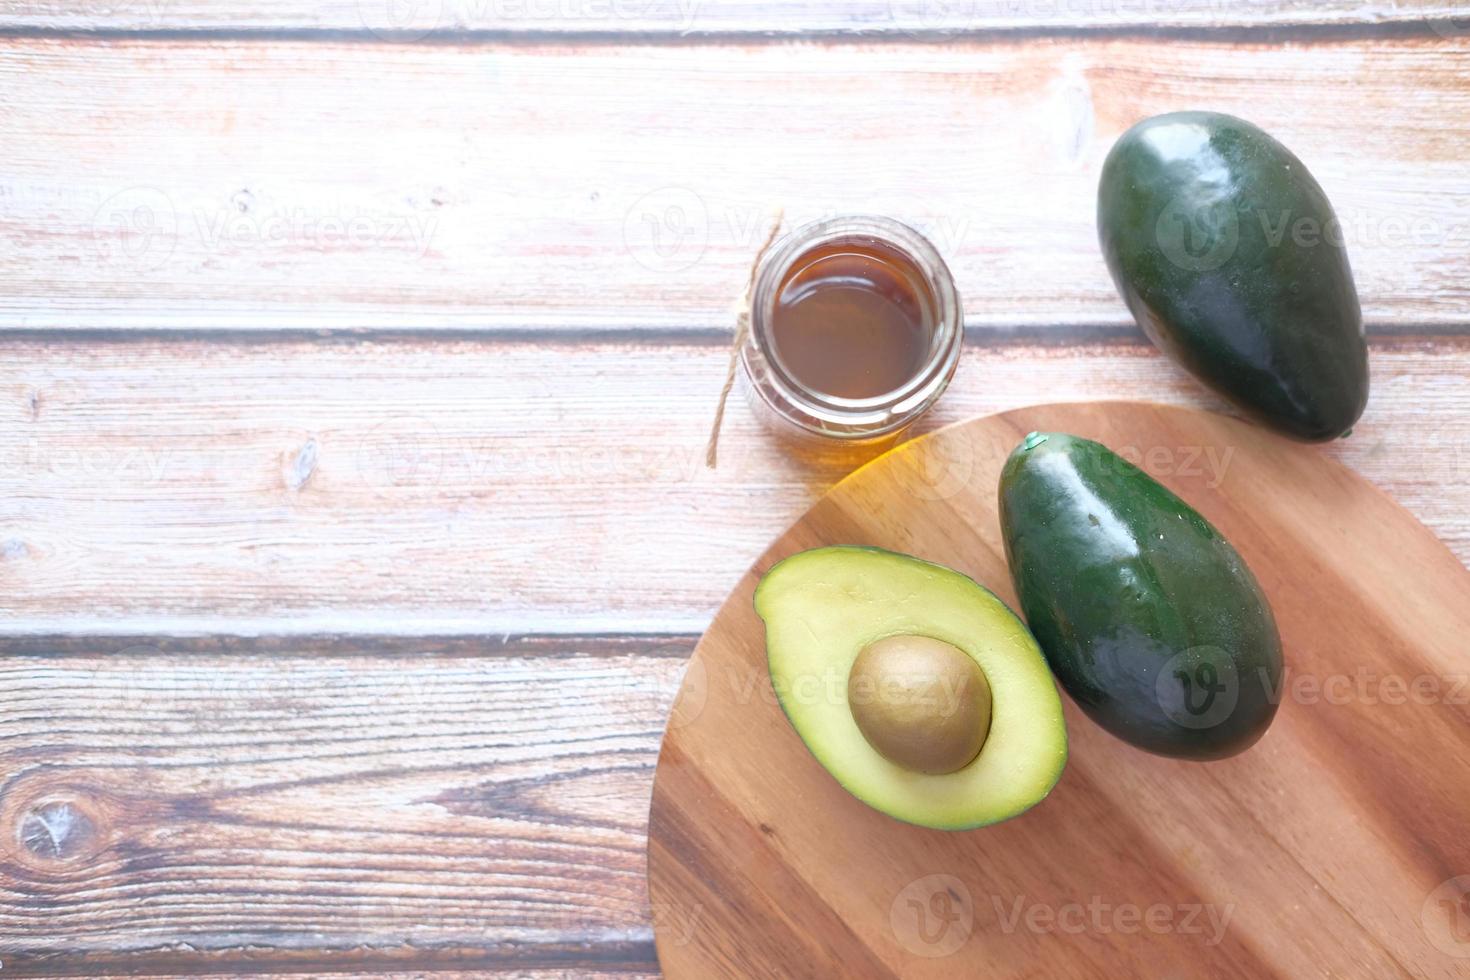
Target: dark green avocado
x=1149 y=618
x=1229 y=255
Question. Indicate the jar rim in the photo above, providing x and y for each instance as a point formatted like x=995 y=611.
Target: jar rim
x=832 y=415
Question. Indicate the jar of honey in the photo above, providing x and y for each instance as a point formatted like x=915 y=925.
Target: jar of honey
x=855 y=329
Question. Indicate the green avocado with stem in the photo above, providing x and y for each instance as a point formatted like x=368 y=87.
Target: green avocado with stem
x=1149 y=618
x=1231 y=259
x=914 y=686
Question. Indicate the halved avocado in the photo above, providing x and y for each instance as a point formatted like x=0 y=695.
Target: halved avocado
x=864 y=640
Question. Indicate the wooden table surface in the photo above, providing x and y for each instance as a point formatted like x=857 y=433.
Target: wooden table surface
x=358 y=362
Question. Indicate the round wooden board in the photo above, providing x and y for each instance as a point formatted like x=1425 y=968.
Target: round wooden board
x=1334 y=847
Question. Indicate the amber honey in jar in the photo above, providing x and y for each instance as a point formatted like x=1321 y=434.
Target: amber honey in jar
x=855 y=329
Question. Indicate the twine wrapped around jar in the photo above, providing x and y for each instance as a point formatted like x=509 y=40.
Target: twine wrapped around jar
x=742 y=329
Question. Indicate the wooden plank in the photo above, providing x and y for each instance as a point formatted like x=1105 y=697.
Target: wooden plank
x=454 y=485
x=413 y=20
x=467 y=803
x=597 y=185
x=330 y=968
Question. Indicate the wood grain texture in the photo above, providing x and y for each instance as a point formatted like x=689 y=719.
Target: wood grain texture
x=1331 y=848
x=412 y=486
x=386 y=799
x=186 y=183
x=641 y=17
x=328 y=804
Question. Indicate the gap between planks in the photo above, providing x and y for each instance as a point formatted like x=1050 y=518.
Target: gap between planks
x=672 y=21
x=617 y=960
x=1452 y=336
x=1277 y=32
x=339 y=644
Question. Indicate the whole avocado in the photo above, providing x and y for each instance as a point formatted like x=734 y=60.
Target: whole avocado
x=1148 y=617
x=1229 y=256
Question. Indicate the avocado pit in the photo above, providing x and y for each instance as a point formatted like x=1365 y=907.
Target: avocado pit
x=921 y=703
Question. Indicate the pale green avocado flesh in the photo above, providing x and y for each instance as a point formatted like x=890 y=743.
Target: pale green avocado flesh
x=823 y=607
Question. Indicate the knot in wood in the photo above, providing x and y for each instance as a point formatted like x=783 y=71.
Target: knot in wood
x=57 y=830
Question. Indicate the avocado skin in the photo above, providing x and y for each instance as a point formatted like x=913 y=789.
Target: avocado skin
x=1271 y=321
x=1121 y=581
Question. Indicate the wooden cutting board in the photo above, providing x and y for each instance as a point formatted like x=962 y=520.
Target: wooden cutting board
x=1337 y=846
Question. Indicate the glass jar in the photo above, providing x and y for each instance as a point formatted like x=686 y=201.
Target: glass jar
x=797 y=407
